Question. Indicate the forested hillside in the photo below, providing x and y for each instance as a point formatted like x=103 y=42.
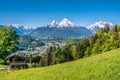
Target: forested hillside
x=104 y=40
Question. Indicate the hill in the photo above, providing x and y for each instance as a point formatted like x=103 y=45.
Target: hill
x=105 y=66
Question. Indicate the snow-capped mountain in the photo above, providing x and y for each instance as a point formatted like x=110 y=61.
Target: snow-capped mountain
x=63 y=23
x=20 y=29
x=98 y=25
x=66 y=23
x=63 y=29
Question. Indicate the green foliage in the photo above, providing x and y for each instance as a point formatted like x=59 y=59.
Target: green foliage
x=74 y=52
x=3 y=62
x=105 y=66
x=8 y=42
x=44 y=60
x=107 y=40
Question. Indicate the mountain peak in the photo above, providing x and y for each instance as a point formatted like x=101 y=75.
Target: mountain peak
x=19 y=26
x=65 y=19
x=53 y=23
x=63 y=23
x=101 y=24
x=66 y=23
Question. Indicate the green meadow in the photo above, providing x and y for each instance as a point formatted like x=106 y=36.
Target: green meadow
x=105 y=66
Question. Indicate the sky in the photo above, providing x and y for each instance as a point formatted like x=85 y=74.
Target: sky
x=36 y=13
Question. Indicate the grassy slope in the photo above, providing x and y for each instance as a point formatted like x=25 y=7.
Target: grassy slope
x=104 y=66
x=3 y=66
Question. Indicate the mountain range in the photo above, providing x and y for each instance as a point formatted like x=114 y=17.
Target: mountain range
x=20 y=29
x=63 y=29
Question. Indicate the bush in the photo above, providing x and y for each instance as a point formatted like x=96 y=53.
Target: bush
x=3 y=62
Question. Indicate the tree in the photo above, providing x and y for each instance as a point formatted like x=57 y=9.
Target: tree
x=48 y=58
x=74 y=53
x=115 y=28
x=44 y=60
x=106 y=28
x=57 y=56
x=8 y=42
x=50 y=55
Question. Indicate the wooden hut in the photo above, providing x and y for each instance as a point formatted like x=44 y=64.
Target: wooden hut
x=17 y=61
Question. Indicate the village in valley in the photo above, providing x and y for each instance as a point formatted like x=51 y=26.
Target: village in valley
x=21 y=58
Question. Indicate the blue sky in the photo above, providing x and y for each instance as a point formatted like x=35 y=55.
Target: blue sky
x=40 y=12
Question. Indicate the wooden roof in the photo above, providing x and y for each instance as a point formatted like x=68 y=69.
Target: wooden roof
x=19 y=54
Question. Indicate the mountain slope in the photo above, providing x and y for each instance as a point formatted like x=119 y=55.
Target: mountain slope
x=105 y=66
x=60 y=32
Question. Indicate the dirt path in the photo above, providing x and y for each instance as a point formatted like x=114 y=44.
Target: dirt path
x=3 y=69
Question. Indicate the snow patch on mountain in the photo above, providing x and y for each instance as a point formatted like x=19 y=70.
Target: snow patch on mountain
x=20 y=29
x=63 y=23
x=66 y=23
x=98 y=25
